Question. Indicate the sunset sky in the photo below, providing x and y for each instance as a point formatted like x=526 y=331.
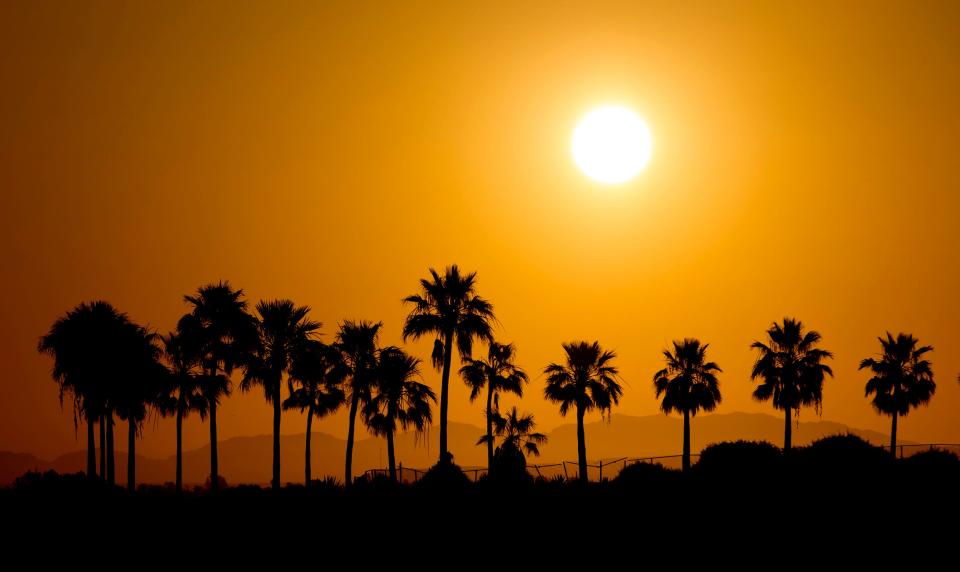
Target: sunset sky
x=805 y=163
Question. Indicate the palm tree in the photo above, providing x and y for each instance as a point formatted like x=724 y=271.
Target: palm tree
x=688 y=384
x=517 y=433
x=902 y=379
x=183 y=391
x=498 y=374
x=284 y=330
x=84 y=346
x=318 y=372
x=228 y=333
x=398 y=400
x=138 y=388
x=791 y=370
x=588 y=380
x=449 y=308
x=357 y=343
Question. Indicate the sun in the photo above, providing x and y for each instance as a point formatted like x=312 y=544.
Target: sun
x=611 y=144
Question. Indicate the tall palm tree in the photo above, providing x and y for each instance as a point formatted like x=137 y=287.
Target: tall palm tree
x=498 y=373
x=84 y=345
x=357 y=343
x=138 y=388
x=791 y=370
x=398 y=400
x=688 y=384
x=228 y=334
x=284 y=330
x=449 y=308
x=183 y=391
x=516 y=431
x=317 y=373
x=902 y=379
x=588 y=380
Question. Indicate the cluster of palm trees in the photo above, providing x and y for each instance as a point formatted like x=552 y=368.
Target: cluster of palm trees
x=110 y=366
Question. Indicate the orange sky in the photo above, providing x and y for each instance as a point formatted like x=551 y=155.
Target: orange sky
x=805 y=164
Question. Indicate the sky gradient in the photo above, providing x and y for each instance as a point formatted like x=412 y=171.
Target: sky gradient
x=804 y=164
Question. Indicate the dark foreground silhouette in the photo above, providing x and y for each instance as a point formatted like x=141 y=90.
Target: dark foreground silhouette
x=839 y=492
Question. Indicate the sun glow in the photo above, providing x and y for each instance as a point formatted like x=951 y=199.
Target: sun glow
x=611 y=144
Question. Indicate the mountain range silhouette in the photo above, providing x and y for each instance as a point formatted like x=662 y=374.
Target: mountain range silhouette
x=246 y=460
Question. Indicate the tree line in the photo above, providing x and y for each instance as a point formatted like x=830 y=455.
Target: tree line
x=111 y=367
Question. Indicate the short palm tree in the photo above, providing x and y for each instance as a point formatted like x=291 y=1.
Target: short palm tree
x=284 y=330
x=228 y=334
x=688 y=384
x=316 y=373
x=449 y=308
x=357 y=343
x=791 y=370
x=84 y=345
x=398 y=400
x=498 y=373
x=516 y=431
x=902 y=379
x=587 y=380
x=183 y=392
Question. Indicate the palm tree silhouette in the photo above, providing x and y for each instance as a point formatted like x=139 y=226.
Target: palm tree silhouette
x=449 y=308
x=228 y=334
x=517 y=433
x=397 y=400
x=357 y=343
x=586 y=381
x=498 y=374
x=138 y=388
x=902 y=379
x=688 y=384
x=84 y=346
x=317 y=372
x=183 y=391
x=283 y=331
x=791 y=370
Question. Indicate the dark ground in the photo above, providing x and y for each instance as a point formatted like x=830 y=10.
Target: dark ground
x=836 y=501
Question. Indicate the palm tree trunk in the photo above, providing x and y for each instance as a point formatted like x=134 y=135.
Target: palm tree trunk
x=391 y=458
x=581 y=445
x=893 y=436
x=445 y=392
x=214 y=472
x=306 y=460
x=276 y=436
x=111 y=459
x=351 y=429
x=489 y=426
x=103 y=446
x=787 y=431
x=91 y=449
x=179 y=450
x=686 y=440
x=131 y=454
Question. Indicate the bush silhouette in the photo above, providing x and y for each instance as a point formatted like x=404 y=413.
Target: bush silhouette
x=737 y=458
x=509 y=468
x=936 y=467
x=444 y=476
x=646 y=476
x=842 y=454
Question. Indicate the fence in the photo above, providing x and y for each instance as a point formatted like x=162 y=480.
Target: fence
x=910 y=450
x=609 y=469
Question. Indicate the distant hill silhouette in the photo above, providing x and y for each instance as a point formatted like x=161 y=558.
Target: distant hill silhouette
x=248 y=459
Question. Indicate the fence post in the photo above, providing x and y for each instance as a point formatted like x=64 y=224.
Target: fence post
x=600 y=480
x=566 y=477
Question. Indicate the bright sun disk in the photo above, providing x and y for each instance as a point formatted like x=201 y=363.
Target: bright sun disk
x=611 y=144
